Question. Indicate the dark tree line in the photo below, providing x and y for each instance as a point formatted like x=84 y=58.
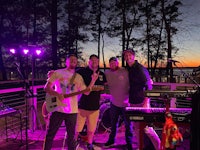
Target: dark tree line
x=61 y=26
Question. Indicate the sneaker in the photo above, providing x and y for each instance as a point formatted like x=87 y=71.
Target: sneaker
x=109 y=144
x=129 y=147
x=90 y=146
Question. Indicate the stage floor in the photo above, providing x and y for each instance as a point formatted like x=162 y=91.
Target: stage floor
x=36 y=138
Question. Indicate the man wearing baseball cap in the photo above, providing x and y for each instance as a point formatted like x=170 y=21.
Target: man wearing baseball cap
x=59 y=83
x=89 y=105
x=139 y=80
x=118 y=83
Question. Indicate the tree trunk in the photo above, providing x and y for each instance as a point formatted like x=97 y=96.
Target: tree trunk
x=54 y=33
x=123 y=30
x=3 y=75
x=99 y=29
x=169 y=44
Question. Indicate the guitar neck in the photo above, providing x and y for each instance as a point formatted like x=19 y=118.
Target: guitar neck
x=76 y=93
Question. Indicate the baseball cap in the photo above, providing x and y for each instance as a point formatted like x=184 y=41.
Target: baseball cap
x=113 y=58
x=72 y=54
x=129 y=50
x=93 y=55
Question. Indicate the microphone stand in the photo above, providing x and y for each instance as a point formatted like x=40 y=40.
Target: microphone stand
x=186 y=75
x=28 y=94
x=195 y=121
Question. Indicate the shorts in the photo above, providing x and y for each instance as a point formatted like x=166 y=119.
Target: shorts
x=87 y=115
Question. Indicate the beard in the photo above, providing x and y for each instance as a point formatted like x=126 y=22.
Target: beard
x=114 y=69
x=72 y=66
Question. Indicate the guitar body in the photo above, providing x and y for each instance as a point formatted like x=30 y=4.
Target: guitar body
x=52 y=103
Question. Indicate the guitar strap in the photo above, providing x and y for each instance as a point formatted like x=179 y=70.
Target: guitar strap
x=71 y=81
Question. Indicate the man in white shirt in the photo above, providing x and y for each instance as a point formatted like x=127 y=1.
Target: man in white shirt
x=58 y=84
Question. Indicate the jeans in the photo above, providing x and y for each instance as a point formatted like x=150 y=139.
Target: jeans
x=55 y=122
x=115 y=113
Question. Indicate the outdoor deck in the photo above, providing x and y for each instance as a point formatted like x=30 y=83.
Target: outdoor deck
x=15 y=99
x=36 y=138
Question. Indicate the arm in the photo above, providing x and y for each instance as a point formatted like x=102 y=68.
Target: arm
x=50 y=73
x=49 y=88
x=45 y=113
x=149 y=81
x=94 y=78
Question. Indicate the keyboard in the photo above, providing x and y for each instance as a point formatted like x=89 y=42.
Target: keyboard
x=7 y=111
x=157 y=114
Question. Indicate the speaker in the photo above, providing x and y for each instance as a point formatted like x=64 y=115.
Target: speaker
x=195 y=121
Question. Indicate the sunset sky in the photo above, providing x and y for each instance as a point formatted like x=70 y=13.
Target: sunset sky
x=187 y=39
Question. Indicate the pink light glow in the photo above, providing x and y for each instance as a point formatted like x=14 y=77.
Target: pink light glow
x=38 y=51
x=12 y=50
x=25 y=51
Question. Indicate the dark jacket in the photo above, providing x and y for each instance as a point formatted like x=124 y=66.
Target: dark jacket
x=140 y=80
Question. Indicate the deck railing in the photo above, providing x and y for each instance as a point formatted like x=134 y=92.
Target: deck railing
x=17 y=98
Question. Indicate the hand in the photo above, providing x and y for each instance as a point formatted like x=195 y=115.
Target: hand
x=60 y=100
x=60 y=97
x=49 y=74
x=95 y=76
x=151 y=81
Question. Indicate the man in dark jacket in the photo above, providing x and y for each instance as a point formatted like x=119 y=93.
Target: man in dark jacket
x=139 y=80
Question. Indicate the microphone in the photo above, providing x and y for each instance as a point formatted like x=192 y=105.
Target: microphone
x=173 y=61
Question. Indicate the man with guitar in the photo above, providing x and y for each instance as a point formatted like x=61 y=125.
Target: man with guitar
x=89 y=104
x=63 y=104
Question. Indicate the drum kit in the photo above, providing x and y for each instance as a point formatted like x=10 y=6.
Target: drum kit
x=104 y=123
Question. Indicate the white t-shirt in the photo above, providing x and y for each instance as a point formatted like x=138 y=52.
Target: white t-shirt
x=61 y=81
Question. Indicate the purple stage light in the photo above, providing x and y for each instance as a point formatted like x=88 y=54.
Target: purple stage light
x=12 y=50
x=38 y=51
x=25 y=51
